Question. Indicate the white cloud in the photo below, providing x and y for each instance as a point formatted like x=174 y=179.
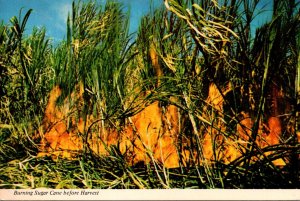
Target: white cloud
x=60 y=11
x=63 y=10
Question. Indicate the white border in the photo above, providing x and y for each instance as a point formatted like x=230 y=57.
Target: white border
x=172 y=194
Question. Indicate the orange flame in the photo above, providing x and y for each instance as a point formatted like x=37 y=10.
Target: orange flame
x=152 y=135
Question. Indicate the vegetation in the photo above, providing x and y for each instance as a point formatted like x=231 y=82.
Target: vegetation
x=199 y=61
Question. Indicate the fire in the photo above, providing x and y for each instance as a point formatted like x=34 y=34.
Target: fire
x=151 y=135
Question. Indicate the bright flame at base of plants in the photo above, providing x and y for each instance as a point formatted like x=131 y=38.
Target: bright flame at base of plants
x=152 y=135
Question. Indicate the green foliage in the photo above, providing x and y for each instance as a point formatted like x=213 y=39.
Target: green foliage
x=95 y=55
x=25 y=69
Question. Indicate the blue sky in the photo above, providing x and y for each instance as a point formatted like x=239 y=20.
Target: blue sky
x=53 y=13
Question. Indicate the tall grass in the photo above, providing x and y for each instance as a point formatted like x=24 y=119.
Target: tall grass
x=199 y=56
x=96 y=50
x=25 y=74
